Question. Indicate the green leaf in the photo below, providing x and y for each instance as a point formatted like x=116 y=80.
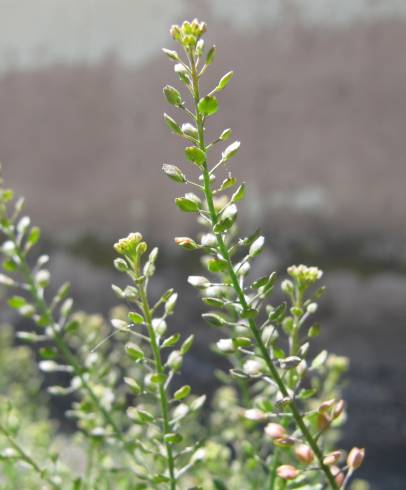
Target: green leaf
x=230 y=151
x=174 y=173
x=158 y=378
x=135 y=318
x=278 y=313
x=182 y=393
x=17 y=302
x=214 y=319
x=48 y=353
x=319 y=360
x=173 y=125
x=172 y=96
x=224 y=136
x=259 y=282
x=250 y=313
x=173 y=55
x=133 y=384
x=187 y=205
x=257 y=246
x=197 y=403
x=227 y=183
x=238 y=194
x=134 y=351
x=170 y=341
x=195 y=155
x=224 y=81
x=208 y=105
x=217 y=265
x=214 y=302
x=173 y=438
x=242 y=342
x=33 y=236
x=139 y=415
x=198 y=281
x=187 y=344
x=210 y=55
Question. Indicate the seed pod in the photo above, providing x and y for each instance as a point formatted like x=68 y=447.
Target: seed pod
x=304 y=454
x=323 y=421
x=287 y=472
x=338 y=474
x=275 y=431
x=355 y=458
x=332 y=458
x=338 y=409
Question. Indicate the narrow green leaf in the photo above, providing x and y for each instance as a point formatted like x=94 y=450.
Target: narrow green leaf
x=172 y=125
x=33 y=236
x=187 y=344
x=224 y=81
x=227 y=183
x=239 y=193
x=182 y=393
x=170 y=341
x=210 y=55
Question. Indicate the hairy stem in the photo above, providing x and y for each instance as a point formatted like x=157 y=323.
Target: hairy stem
x=208 y=192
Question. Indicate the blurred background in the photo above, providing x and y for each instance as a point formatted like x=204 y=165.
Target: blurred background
x=319 y=102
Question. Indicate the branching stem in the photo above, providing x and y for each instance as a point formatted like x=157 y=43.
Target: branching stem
x=208 y=193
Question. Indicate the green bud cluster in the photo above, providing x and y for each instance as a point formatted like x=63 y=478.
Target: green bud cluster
x=189 y=33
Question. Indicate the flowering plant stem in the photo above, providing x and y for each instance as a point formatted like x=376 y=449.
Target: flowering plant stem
x=61 y=345
x=208 y=193
x=163 y=398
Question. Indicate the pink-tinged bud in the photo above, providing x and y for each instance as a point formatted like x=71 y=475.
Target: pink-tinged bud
x=287 y=472
x=304 y=454
x=186 y=243
x=323 y=421
x=275 y=431
x=332 y=458
x=355 y=458
x=338 y=474
x=325 y=406
x=339 y=408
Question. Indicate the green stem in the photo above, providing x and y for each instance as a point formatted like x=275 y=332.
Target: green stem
x=274 y=467
x=163 y=398
x=240 y=293
x=27 y=458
